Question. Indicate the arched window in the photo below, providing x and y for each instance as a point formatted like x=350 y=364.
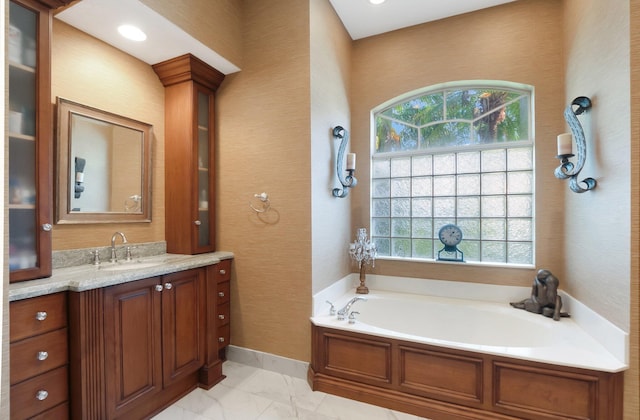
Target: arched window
x=460 y=154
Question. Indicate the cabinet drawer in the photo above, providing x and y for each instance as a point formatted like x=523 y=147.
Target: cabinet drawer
x=42 y=353
x=39 y=394
x=38 y=315
x=223 y=292
x=224 y=336
x=59 y=412
x=223 y=271
x=223 y=314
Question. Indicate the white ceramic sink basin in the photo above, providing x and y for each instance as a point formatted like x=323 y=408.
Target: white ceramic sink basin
x=130 y=265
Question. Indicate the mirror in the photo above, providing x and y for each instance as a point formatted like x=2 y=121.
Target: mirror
x=103 y=166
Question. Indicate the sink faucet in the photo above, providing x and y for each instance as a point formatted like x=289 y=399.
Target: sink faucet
x=114 y=255
x=344 y=311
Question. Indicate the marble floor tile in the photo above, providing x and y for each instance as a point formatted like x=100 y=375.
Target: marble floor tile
x=250 y=393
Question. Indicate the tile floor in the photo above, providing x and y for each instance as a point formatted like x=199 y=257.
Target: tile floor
x=250 y=393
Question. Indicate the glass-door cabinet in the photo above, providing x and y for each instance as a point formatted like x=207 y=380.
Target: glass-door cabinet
x=30 y=132
x=190 y=86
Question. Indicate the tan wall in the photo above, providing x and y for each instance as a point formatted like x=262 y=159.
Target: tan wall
x=519 y=42
x=263 y=115
x=330 y=82
x=93 y=73
x=602 y=267
x=215 y=23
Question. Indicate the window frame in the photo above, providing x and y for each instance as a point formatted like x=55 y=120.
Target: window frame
x=527 y=143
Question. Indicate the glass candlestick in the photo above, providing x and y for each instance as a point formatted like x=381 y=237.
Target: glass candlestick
x=364 y=252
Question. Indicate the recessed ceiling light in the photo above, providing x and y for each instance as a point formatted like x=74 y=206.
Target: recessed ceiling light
x=132 y=32
x=376 y=2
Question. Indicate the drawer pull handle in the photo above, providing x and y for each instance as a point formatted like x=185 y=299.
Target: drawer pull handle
x=223 y=272
x=197 y=223
x=42 y=395
x=159 y=288
x=168 y=286
x=221 y=339
x=221 y=294
x=41 y=315
x=43 y=355
x=220 y=316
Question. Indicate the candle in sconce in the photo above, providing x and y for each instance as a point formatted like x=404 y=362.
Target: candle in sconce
x=565 y=144
x=351 y=161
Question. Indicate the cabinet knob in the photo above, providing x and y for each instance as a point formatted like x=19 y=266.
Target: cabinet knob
x=41 y=315
x=221 y=294
x=159 y=288
x=223 y=272
x=42 y=355
x=197 y=223
x=46 y=227
x=168 y=286
x=42 y=395
x=220 y=316
x=221 y=339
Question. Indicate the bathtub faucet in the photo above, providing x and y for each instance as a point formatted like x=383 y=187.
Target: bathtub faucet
x=342 y=313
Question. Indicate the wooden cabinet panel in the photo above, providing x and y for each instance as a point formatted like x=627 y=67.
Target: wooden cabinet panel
x=528 y=390
x=441 y=375
x=30 y=317
x=222 y=271
x=39 y=354
x=351 y=357
x=222 y=296
x=183 y=323
x=39 y=393
x=133 y=346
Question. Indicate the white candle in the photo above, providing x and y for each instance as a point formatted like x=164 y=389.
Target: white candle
x=351 y=161
x=565 y=144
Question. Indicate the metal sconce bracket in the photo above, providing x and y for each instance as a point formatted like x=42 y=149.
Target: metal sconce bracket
x=567 y=170
x=349 y=181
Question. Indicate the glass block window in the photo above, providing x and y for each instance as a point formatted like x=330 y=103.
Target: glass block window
x=460 y=155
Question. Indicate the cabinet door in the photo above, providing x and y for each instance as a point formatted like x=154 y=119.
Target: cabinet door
x=30 y=134
x=183 y=324
x=133 y=346
x=205 y=226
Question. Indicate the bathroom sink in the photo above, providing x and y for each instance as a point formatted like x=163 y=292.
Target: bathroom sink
x=133 y=265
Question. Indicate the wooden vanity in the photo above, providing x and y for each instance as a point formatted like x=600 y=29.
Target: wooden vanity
x=126 y=350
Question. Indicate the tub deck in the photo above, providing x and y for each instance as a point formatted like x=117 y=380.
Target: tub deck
x=478 y=326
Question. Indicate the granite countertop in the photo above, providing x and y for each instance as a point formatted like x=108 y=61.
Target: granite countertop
x=80 y=278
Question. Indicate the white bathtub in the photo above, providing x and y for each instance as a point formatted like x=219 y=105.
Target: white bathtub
x=482 y=326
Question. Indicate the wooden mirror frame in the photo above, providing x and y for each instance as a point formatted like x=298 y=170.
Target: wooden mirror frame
x=64 y=215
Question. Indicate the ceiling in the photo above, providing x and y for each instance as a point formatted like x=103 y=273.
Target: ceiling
x=100 y=18
x=363 y=19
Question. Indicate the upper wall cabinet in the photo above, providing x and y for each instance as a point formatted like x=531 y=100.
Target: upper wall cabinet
x=189 y=153
x=30 y=135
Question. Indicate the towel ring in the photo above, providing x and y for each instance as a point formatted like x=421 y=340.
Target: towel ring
x=265 y=204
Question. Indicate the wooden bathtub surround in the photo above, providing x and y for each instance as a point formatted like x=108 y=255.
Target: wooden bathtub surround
x=441 y=383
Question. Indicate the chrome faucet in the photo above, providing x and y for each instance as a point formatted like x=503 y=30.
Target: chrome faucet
x=344 y=311
x=114 y=255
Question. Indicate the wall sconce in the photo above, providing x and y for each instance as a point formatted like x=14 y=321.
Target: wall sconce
x=567 y=170
x=349 y=181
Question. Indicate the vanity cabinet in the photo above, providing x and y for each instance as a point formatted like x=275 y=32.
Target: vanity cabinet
x=137 y=347
x=39 y=358
x=218 y=317
x=154 y=337
x=189 y=153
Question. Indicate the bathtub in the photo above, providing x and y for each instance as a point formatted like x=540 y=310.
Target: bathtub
x=451 y=357
x=488 y=327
